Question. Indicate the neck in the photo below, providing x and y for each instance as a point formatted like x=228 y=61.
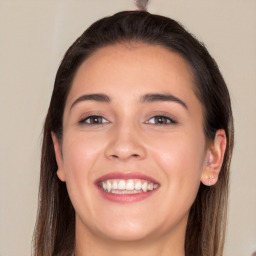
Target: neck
x=170 y=244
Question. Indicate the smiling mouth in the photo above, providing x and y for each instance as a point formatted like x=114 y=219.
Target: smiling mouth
x=130 y=186
x=126 y=187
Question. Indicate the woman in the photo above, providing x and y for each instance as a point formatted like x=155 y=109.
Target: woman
x=137 y=144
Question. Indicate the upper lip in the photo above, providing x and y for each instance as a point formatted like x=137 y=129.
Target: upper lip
x=125 y=176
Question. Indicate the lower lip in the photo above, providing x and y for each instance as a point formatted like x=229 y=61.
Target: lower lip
x=125 y=198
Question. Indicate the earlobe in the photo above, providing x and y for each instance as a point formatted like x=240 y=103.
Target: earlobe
x=215 y=156
x=58 y=155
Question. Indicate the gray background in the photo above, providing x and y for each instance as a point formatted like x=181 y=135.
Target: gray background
x=33 y=38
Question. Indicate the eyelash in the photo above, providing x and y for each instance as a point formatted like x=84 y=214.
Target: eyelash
x=167 y=120
x=93 y=117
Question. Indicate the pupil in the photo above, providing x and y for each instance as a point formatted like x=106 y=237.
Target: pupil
x=160 y=120
x=96 y=120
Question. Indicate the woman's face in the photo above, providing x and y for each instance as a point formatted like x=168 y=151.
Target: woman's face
x=133 y=149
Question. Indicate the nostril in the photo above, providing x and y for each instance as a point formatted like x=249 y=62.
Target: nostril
x=134 y=155
x=124 y=150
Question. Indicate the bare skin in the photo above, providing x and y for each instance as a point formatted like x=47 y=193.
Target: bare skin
x=127 y=132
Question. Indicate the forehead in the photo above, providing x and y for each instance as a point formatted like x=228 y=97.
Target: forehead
x=131 y=69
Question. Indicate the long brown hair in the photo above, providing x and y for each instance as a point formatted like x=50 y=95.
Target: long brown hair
x=54 y=232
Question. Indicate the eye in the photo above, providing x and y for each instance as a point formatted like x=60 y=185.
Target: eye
x=161 y=120
x=93 y=120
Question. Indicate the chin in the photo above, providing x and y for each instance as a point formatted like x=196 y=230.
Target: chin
x=127 y=234
x=125 y=229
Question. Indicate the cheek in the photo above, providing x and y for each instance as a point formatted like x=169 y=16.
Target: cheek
x=179 y=160
x=80 y=154
x=182 y=161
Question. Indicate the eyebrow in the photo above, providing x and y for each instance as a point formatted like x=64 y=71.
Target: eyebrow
x=154 y=97
x=91 y=97
x=147 y=98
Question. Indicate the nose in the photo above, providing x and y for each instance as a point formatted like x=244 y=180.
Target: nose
x=125 y=144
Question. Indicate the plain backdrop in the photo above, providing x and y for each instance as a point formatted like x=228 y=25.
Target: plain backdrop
x=34 y=36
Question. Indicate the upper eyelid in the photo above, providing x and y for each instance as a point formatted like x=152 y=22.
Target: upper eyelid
x=110 y=116
x=164 y=116
x=82 y=120
x=172 y=120
x=161 y=114
x=92 y=113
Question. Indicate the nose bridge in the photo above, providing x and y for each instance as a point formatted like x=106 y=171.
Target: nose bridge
x=125 y=142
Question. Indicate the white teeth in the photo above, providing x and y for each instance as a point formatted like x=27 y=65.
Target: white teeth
x=150 y=186
x=121 y=184
x=104 y=185
x=114 y=185
x=155 y=186
x=138 y=185
x=144 y=186
x=108 y=185
x=128 y=186
x=125 y=192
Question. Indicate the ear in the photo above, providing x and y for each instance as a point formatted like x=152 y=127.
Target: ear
x=214 y=159
x=59 y=158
